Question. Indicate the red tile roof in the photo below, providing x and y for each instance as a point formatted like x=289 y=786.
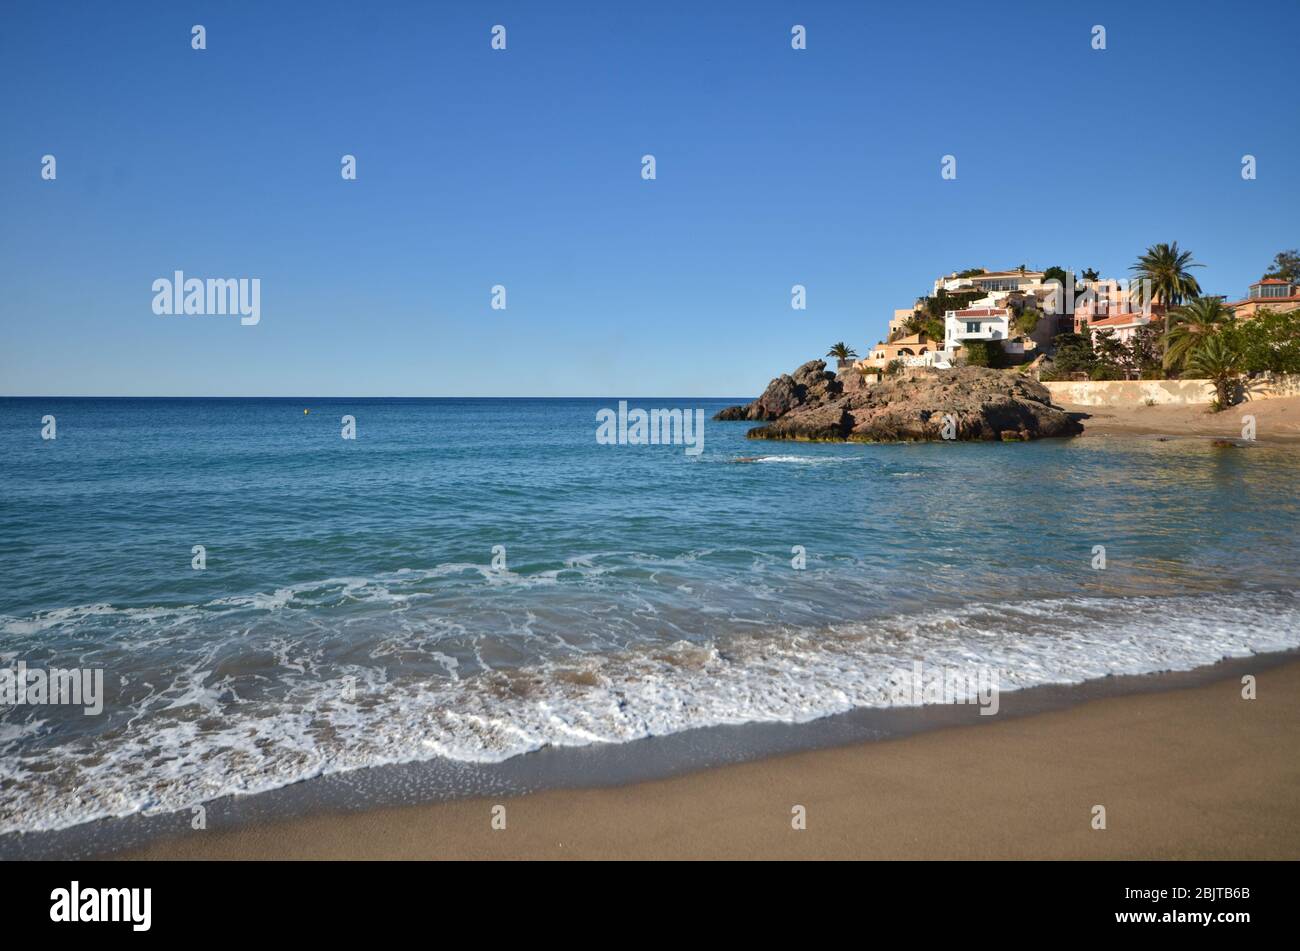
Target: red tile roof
x=1264 y=300
x=1269 y=280
x=1117 y=319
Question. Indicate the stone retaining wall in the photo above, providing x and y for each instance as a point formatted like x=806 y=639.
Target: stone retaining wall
x=1176 y=392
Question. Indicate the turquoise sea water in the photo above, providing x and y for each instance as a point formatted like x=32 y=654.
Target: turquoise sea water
x=350 y=613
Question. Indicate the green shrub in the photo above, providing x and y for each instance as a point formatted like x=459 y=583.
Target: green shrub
x=985 y=353
x=977 y=353
x=1104 y=371
x=1027 y=321
x=1268 y=342
x=1074 y=352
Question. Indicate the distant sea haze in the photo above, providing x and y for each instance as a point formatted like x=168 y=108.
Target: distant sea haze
x=474 y=579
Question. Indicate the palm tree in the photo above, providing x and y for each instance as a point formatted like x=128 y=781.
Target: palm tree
x=1162 y=272
x=842 y=352
x=1216 y=360
x=1191 y=325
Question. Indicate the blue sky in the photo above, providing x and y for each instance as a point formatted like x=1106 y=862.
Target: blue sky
x=522 y=168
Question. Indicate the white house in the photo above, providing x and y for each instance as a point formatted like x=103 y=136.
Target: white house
x=976 y=323
x=979 y=323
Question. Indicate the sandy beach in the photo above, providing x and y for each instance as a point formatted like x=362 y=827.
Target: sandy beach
x=1276 y=420
x=1186 y=773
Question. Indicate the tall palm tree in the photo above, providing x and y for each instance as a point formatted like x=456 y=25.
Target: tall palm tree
x=841 y=352
x=1162 y=272
x=1217 y=361
x=1191 y=325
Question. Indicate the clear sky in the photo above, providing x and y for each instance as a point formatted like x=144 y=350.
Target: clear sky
x=523 y=168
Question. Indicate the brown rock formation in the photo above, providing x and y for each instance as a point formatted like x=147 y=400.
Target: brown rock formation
x=983 y=405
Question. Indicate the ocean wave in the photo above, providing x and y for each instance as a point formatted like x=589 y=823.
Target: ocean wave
x=801 y=460
x=200 y=736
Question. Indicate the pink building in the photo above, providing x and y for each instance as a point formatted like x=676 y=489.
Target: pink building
x=1122 y=327
x=1109 y=300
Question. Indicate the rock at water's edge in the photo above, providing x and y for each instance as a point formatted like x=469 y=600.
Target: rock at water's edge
x=811 y=383
x=983 y=404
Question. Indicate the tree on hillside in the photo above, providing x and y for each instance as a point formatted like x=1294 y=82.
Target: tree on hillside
x=1091 y=274
x=1145 y=353
x=1162 y=276
x=984 y=353
x=1056 y=273
x=1073 y=353
x=928 y=316
x=1190 y=326
x=1027 y=320
x=1269 y=342
x=1111 y=357
x=941 y=303
x=1286 y=266
x=841 y=351
x=923 y=323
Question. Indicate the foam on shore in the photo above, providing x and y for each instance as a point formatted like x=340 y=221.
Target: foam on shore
x=197 y=737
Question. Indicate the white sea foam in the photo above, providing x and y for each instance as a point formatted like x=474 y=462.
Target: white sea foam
x=802 y=460
x=195 y=739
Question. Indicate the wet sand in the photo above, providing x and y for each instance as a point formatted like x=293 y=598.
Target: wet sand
x=1195 y=772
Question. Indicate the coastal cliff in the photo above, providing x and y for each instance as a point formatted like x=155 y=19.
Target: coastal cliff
x=813 y=404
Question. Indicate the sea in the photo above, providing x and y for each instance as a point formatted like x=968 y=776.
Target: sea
x=476 y=580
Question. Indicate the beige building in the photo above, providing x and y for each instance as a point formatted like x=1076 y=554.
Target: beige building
x=914 y=345
x=1270 y=293
x=898 y=326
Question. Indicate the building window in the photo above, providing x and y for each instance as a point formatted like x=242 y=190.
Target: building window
x=1271 y=290
x=972 y=327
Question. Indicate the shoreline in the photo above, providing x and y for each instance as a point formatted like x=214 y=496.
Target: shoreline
x=915 y=771
x=1189 y=772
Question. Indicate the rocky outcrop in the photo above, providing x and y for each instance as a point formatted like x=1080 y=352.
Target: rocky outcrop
x=851 y=381
x=811 y=384
x=976 y=403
